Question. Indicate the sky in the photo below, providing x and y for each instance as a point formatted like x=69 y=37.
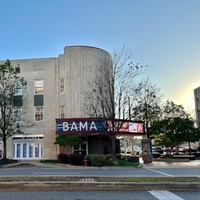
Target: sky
x=163 y=34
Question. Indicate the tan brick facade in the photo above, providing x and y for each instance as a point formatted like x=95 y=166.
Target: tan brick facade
x=76 y=66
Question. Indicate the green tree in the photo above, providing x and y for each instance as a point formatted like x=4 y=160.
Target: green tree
x=10 y=85
x=175 y=127
x=169 y=132
x=192 y=132
x=68 y=140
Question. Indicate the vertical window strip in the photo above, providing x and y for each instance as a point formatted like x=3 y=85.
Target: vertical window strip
x=18 y=89
x=17 y=113
x=62 y=86
x=38 y=113
x=62 y=111
x=39 y=86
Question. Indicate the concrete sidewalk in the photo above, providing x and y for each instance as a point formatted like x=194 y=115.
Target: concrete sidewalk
x=171 y=164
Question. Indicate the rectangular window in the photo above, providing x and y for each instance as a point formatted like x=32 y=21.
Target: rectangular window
x=62 y=86
x=18 y=89
x=62 y=111
x=17 y=113
x=39 y=86
x=38 y=113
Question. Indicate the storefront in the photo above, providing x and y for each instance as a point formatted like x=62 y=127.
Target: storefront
x=95 y=133
x=27 y=147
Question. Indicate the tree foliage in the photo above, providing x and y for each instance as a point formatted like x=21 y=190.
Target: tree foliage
x=175 y=127
x=68 y=140
x=10 y=84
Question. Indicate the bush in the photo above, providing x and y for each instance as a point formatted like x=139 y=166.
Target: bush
x=100 y=160
x=76 y=159
x=63 y=158
x=123 y=157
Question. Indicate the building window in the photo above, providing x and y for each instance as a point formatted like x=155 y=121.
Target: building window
x=27 y=147
x=62 y=111
x=38 y=113
x=62 y=86
x=18 y=89
x=17 y=113
x=39 y=86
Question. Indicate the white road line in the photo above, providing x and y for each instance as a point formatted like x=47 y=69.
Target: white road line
x=160 y=172
x=164 y=195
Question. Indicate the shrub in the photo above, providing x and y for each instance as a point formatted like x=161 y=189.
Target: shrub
x=123 y=157
x=100 y=160
x=63 y=158
x=76 y=159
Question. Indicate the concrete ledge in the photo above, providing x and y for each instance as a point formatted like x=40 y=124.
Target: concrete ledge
x=172 y=160
x=76 y=186
x=190 y=157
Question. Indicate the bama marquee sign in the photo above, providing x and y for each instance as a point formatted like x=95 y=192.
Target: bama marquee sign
x=94 y=125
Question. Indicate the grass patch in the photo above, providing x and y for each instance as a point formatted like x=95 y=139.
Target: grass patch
x=126 y=164
x=148 y=179
x=100 y=179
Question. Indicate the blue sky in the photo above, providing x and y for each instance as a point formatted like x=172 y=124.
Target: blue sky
x=163 y=34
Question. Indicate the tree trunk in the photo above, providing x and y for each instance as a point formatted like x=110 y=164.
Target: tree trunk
x=114 y=147
x=4 y=149
x=189 y=148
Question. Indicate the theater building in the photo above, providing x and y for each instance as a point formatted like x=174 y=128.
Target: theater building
x=54 y=97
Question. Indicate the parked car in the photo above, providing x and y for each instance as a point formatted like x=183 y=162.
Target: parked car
x=191 y=149
x=157 y=149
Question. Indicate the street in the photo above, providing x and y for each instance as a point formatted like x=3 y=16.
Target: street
x=45 y=170
x=99 y=195
x=190 y=169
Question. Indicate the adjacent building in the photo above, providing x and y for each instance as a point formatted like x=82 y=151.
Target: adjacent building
x=197 y=104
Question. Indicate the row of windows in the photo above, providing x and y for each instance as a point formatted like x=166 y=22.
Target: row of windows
x=39 y=90
x=38 y=110
x=17 y=113
x=39 y=86
x=38 y=113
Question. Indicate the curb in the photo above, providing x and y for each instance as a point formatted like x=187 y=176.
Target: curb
x=106 y=186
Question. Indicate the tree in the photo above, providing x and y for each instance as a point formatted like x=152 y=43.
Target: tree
x=68 y=140
x=10 y=85
x=170 y=110
x=146 y=103
x=175 y=127
x=108 y=98
x=192 y=132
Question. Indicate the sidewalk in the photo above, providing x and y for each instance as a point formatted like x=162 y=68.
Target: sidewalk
x=171 y=164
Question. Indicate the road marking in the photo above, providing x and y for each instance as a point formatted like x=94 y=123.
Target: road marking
x=164 y=195
x=160 y=172
x=87 y=180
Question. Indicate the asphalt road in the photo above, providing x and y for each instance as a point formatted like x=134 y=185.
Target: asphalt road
x=30 y=170
x=99 y=195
